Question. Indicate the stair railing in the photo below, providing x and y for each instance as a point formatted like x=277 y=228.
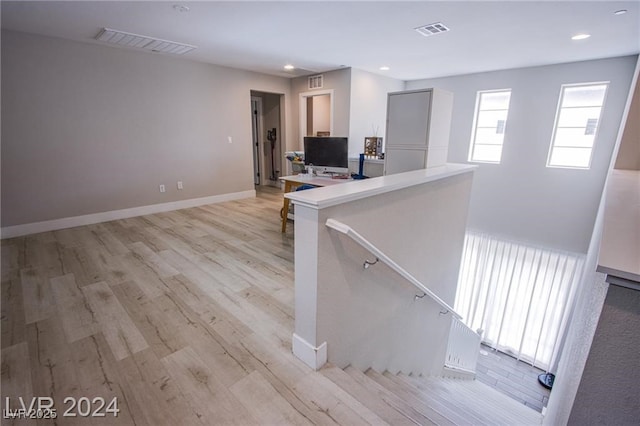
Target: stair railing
x=463 y=346
x=380 y=256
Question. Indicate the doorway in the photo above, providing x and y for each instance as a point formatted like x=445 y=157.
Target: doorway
x=267 y=136
x=316 y=113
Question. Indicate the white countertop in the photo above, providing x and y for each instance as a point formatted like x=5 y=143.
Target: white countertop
x=328 y=196
x=620 y=246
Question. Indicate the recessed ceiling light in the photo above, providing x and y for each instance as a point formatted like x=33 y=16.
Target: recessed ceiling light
x=620 y=12
x=384 y=68
x=289 y=67
x=180 y=8
x=580 y=36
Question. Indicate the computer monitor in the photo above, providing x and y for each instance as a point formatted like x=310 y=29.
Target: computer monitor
x=327 y=154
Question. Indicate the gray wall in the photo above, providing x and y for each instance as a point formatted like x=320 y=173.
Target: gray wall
x=608 y=392
x=521 y=198
x=89 y=128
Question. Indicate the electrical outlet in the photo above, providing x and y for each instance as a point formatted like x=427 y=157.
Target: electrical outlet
x=179 y=184
x=229 y=139
x=162 y=188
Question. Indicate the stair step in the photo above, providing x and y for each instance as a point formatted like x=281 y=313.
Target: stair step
x=403 y=391
x=375 y=401
x=389 y=397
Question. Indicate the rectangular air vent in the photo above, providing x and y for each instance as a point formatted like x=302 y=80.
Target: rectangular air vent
x=431 y=29
x=315 y=82
x=122 y=38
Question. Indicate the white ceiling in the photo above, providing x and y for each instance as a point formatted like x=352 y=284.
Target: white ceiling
x=319 y=35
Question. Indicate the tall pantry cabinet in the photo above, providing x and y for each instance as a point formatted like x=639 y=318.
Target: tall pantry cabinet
x=418 y=126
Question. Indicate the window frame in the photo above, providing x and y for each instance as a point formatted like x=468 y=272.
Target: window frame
x=559 y=108
x=474 y=129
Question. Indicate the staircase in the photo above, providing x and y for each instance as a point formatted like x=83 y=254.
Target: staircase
x=408 y=400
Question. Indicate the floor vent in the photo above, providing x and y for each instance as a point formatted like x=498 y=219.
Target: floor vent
x=315 y=82
x=432 y=29
x=125 y=39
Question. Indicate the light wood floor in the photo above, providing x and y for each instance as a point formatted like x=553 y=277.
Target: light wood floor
x=186 y=318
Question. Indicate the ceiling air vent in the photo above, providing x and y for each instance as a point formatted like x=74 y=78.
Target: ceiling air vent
x=125 y=39
x=431 y=29
x=315 y=82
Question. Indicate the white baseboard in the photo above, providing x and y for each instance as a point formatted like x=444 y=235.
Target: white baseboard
x=314 y=357
x=89 y=219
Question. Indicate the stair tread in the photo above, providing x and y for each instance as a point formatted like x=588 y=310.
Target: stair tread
x=406 y=395
x=440 y=399
x=389 y=397
x=368 y=397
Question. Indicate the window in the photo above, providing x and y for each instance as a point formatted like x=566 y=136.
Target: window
x=577 y=122
x=489 y=126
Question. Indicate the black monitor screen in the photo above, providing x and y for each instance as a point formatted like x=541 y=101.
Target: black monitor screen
x=326 y=152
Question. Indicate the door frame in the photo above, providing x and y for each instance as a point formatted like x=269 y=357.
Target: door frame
x=257 y=140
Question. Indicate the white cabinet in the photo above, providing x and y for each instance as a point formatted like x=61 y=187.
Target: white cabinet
x=418 y=125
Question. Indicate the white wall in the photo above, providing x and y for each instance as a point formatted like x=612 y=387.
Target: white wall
x=521 y=198
x=369 y=107
x=90 y=128
x=340 y=82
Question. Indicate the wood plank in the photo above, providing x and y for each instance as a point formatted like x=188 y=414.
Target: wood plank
x=264 y=403
x=101 y=237
x=47 y=256
x=78 y=318
x=16 y=380
x=143 y=274
x=204 y=392
x=119 y=330
x=53 y=368
x=152 y=260
x=212 y=348
x=36 y=295
x=12 y=313
x=10 y=261
x=149 y=388
x=335 y=402
x=79 y=262
x=159 y=331
x=206 y=282
x=97 y=376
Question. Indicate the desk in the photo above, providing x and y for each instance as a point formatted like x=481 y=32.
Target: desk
x=294 y=181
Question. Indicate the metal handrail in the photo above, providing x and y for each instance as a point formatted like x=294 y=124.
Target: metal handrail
x=380 y=256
